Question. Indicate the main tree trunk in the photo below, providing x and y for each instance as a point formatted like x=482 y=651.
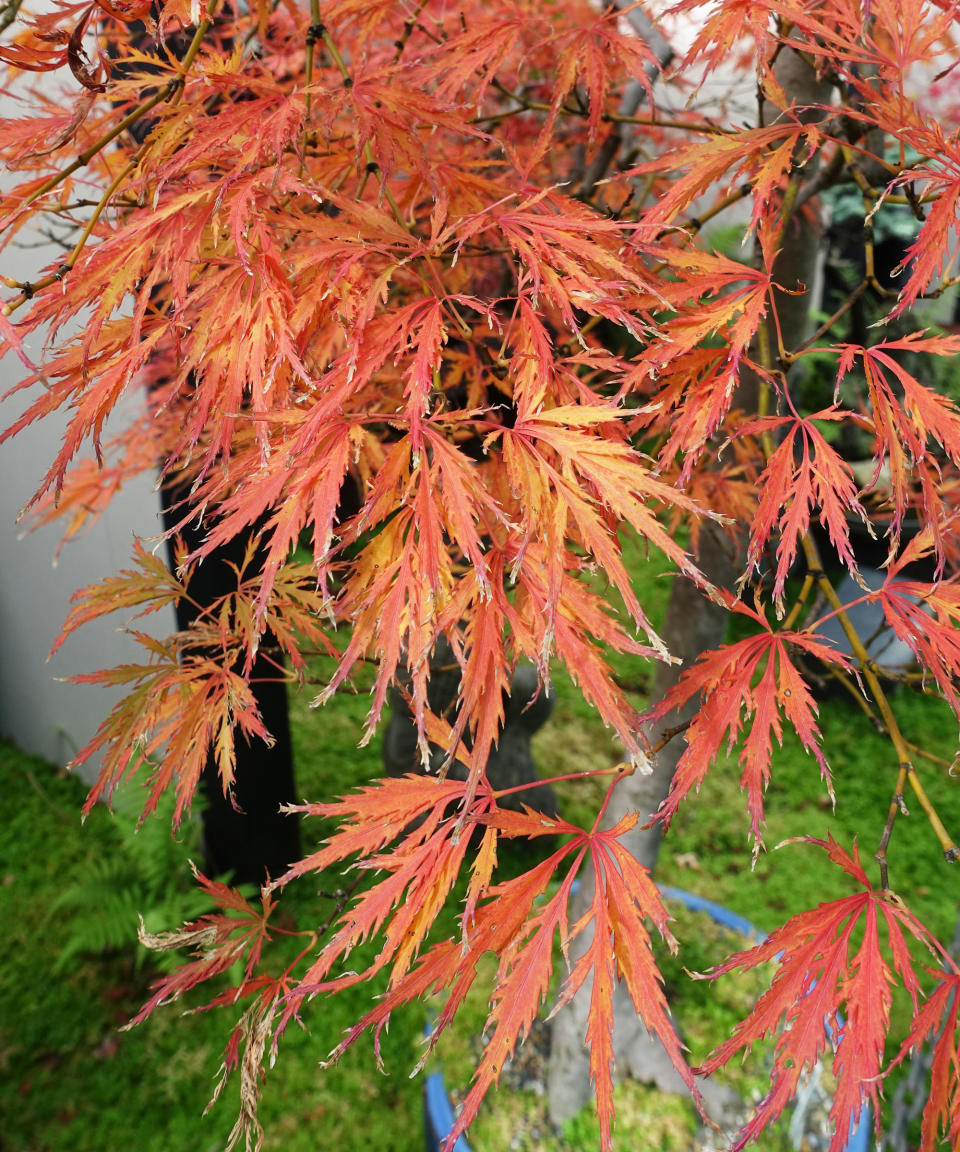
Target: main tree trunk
x=694 y=624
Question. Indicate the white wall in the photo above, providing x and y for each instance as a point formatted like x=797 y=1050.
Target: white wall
x=37 y=711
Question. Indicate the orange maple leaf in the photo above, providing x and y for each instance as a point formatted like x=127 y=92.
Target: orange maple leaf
x=804 y=476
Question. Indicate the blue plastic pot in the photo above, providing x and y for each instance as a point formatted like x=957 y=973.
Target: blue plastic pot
x=438 y=1112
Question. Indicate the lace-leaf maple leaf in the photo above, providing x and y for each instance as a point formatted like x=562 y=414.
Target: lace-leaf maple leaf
x=624 y=898
x=926 y=617
x=930 y=254
x=421 y=858
x=803 y=476
x=905 y=426
x=586 y=57
x=219 y=940
x=180 y=707
x=763 y=157
x=746 y=688
x=938 y=1021
x=151 y=583
x=829 y=961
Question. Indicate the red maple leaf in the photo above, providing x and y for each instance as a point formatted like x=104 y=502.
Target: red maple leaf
x=747 y=688
x=804 y=477
x=939 y=1021
x=829 y=961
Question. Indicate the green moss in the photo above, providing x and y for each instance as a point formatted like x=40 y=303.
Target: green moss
x=705 y=1014
x=59 y=1039
x=662 y=1123
x=70 y=1079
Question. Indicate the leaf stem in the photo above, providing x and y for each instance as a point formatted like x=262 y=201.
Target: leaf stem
x=800 y=602
x=615 y=770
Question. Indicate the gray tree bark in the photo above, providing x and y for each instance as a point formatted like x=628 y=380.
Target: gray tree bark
x=694 y=624
x=510 y=763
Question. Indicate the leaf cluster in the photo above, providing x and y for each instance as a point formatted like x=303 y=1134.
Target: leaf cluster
x=422 y=292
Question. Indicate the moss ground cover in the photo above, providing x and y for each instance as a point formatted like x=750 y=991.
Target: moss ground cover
x=70 y=1079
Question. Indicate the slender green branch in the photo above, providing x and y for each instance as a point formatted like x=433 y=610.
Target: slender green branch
x=339 y=63
x=800 y=602
x=34 y=286
x=924 y=754
x=950 y=850
x=8 y=13
x=411 y=22
x=897 y=807
x=312 y=33
x=168 y=91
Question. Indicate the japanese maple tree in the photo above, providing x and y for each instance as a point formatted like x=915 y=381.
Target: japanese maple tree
x=452 y=256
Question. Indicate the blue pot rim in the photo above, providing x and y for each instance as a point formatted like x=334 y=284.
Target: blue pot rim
x=438 y=1111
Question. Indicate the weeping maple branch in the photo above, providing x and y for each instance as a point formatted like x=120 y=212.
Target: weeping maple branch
x=353 y=257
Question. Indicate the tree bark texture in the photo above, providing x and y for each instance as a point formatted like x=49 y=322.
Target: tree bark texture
x=694 y=624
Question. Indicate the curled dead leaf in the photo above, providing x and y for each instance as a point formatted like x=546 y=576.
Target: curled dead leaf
x=91 y=77
x=81 y=109
x=127 y=12
x=196 y=938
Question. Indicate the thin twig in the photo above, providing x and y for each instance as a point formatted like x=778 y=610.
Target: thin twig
x=634 y=94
